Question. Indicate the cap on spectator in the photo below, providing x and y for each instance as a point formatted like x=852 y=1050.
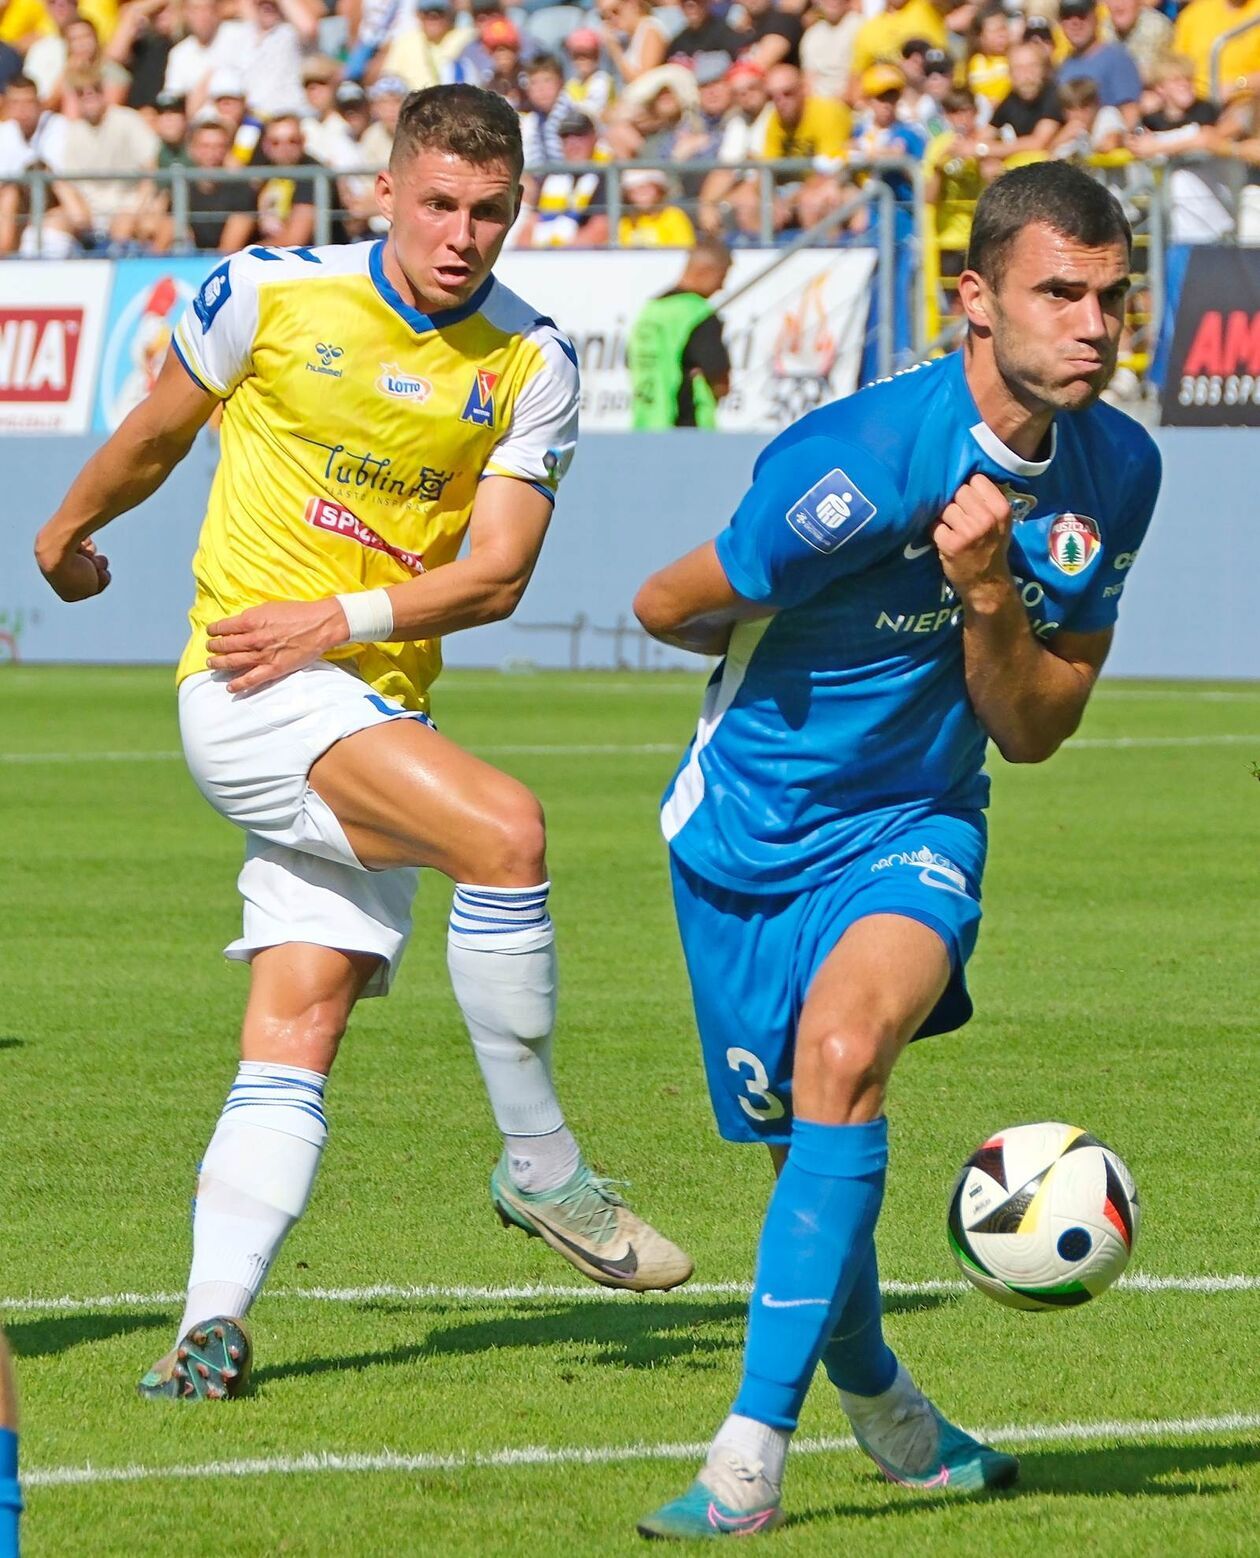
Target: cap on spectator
x=170 y=103
x=640 y=178
x=1038 y=27
x=387 y=86
x=583 y=40
x=711 y=65
x=1076 y=8
x=225 y=83
x=499 y=33
x=746 y=67
x=433 y=7
x=575 y=122
x=318 y=67
x=937 y=63
x=350 y=95
x=876 y=80
x=486 y=7
x=914 y=46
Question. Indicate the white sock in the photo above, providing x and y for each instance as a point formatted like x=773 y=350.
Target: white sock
x=501 y=954
x=899 y=1424
x=745 y=1464
x=255 y=1181
x=542 y=1162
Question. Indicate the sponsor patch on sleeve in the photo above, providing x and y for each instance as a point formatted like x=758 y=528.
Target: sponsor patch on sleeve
x=215 y=291
x=831 y=512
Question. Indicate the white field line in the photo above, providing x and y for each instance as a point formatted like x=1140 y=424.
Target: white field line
x=1017 y=1434
x=617 y=749
x=1137 y=1282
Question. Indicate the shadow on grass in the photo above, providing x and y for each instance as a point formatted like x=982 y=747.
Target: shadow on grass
x=9 y=1042
x=59 y=1333
x=624 y=1334
x=1135 y=1469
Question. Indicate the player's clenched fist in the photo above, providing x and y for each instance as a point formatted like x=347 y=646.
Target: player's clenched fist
x=972 y=536
x=264 y=643
x=78 y=575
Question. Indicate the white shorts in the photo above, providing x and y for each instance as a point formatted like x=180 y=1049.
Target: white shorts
x=251 y=755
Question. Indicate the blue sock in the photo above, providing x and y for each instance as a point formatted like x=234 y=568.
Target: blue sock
x=819 y=1225
x=10 y=1493
x=857 y=1358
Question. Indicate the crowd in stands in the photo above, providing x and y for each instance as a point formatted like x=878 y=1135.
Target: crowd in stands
x=694 y=95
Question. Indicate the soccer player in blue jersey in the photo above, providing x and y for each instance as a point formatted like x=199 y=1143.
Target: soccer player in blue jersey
x=926 y=566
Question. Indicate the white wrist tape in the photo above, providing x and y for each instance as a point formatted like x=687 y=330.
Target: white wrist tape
x=370 y=615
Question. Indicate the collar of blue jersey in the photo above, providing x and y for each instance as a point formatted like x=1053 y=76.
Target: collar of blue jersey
x=988 y=440
x=1007 y=458
x=419 y=322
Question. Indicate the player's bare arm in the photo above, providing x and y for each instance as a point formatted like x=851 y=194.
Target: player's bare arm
x=509 y=522
x=1029 y=696
x=125 y=471
x=691 y=604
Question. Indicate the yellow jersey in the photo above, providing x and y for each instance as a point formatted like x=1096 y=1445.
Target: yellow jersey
x=668 y=228
x=355 y=432
x=1196 y=30
x=880 y=37
x=821 y=131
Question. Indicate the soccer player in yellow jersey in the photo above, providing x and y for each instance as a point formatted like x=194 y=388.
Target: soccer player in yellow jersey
x=380 y=400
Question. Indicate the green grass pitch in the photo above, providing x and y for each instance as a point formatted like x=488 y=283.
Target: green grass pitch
x=1115 y=983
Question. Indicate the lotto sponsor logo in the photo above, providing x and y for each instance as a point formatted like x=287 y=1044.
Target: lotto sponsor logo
x=1073 y=543
x=831 y=512
x=324 y=514
x=403 y=386
x=38 y=351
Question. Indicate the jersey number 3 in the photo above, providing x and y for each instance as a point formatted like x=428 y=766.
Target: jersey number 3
x=760 y=1104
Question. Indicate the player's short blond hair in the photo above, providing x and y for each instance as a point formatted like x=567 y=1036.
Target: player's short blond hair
x=465 y=121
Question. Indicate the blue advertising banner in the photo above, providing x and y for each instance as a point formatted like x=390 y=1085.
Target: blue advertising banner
x=147 y=299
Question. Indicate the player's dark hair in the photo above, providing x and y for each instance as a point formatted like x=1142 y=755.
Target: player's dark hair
x=465 y=121
x=1055 y=194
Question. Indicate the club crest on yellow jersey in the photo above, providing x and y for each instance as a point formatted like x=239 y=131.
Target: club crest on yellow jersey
x=479 y=407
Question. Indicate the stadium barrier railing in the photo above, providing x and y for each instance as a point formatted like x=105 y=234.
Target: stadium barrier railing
x=901 y=225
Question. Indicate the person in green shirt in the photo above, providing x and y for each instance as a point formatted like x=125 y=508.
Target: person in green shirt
x=679 y=367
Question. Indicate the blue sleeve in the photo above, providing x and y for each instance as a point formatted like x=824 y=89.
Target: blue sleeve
x=1099 y=607
x=817 y=510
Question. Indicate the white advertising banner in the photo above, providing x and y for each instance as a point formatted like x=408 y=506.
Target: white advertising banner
x=51 y=319
x=795 y=338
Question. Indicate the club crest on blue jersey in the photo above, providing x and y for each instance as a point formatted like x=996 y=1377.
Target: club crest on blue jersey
x=831 y=512
x=479 y=408
x=1022 y=503
x=1073 y=543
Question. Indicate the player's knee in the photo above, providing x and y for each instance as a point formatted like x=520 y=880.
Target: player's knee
x=855 y=1062
x=514 y=842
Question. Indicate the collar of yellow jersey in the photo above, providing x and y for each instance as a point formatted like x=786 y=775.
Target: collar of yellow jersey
x=421 y=323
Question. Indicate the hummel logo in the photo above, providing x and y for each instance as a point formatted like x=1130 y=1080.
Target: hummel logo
x=911 y=552
x=792 y=1303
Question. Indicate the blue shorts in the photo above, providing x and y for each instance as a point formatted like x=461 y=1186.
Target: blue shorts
x=752 y=957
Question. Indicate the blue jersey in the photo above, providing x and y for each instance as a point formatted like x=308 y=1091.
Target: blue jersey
x=832 y=722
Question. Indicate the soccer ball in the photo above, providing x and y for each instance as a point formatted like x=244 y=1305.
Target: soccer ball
x=1043 y=1217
